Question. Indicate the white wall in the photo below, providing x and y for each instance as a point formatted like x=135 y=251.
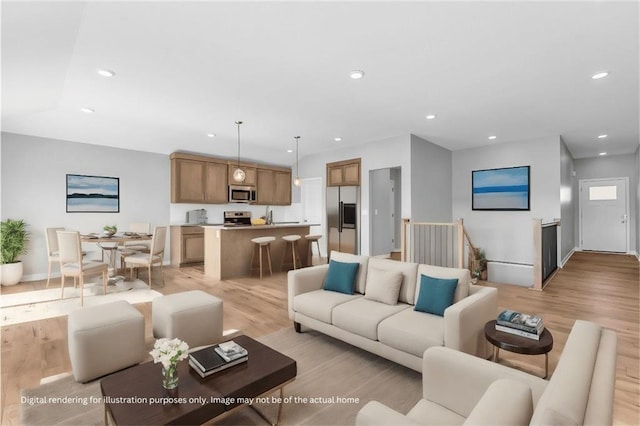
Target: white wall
x=568 y=204
x=611 y=166
x=392 y=152
x=638 y=202
x=34 y=189
x=431 y=177
x=507 y=236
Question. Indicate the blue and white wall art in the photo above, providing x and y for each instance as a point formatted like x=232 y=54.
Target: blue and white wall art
x=501 y=189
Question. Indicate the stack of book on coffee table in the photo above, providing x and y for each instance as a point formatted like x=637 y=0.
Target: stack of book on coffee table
x=525 y=325
x=216 y=358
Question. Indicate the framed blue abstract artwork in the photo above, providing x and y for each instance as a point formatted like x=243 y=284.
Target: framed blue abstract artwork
x=93 y=194
x=501 y=189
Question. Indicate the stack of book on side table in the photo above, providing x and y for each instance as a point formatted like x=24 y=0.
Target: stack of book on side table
x=525 y=325
x=216 y=358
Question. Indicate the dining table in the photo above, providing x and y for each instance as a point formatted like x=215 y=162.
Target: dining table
x=110 y=244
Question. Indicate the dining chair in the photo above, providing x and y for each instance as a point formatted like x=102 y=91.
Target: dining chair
x=155 y=255
x=131 y=247
x=53 y=254
x=73 y=265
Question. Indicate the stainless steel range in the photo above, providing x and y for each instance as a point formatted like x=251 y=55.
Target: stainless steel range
x=237 y=218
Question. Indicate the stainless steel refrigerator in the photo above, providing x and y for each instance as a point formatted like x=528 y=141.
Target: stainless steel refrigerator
x=343 y=219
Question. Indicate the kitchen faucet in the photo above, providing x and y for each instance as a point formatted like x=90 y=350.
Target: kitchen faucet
x=268 y=215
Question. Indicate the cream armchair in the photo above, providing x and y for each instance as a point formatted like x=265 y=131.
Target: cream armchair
x=463 y=389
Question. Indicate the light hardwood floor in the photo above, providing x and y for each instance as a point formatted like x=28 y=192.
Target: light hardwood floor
x=596 y=287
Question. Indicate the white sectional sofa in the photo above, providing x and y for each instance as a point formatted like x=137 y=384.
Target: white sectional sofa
x=459 y=389
x=392 y=330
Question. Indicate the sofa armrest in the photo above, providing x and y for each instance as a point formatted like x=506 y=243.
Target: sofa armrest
x=464 y=321
x=375 y=413
x=506 y=402
x=457 y=381
x=304 y=280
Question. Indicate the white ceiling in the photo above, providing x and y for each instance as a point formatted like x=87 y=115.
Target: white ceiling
x=517 y=70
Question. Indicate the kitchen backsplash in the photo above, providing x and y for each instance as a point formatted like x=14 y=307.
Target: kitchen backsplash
x=178 y=212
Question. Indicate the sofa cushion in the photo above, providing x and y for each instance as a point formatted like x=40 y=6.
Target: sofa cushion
x=412 y=331
x=436 y=294
x=362 y=316
x=319 y=304
x=506 y=402
x=408 y=270
x=463 y=276
x=341 y=277
x=383 y=286
x=362 y=270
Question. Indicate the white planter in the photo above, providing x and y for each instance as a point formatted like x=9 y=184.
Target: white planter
x=11 y=273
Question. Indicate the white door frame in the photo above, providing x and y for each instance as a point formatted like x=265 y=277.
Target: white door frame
x=581 y=182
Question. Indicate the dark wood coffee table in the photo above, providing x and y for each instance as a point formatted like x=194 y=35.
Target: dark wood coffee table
x=518 y=344
x=133 y=396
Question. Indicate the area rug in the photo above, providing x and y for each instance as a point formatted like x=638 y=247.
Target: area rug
x=334 y=381
x=41 y=304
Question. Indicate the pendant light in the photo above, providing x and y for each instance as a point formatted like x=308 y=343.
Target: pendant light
x=297 y=181
x=239 y=174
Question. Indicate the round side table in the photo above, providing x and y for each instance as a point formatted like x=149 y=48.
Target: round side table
x=518 y=344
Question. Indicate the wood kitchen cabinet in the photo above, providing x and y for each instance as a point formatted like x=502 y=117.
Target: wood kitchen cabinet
x=274 y=186
x=343 y=173
x=197 y=179
x=250 y=171
x=187 y=245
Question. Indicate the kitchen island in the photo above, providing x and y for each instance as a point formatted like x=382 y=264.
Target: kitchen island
x=228 y=250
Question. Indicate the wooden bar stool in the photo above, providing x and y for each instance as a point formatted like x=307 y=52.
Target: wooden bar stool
x=291 y=242
x=311 y=238
x=262 y=242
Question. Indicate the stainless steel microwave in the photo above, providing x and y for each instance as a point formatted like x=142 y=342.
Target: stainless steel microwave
x=242 y=194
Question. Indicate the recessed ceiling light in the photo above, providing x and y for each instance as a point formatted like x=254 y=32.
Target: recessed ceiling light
x=87 y=110
x=211 y=135
x=492 y=137
x=603 y=153
x=356 y=74
x=602 y=136
x=105 y=72
x=337 y=139
x=600 y=75
x=431 y=116
x=289 y=151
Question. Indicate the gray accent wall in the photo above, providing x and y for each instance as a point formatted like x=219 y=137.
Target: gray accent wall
x=568 y=205
x=611 y=166
x=431 y=182
x=34 y=173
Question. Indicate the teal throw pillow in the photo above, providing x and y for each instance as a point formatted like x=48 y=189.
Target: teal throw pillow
x=341 y=277
x=436 y=294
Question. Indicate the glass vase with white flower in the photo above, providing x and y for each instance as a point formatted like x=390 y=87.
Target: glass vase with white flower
x=169 y=352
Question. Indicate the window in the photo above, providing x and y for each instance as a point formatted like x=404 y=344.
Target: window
x=603 y=193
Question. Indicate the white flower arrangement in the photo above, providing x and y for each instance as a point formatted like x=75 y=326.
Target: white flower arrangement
x=169 y=352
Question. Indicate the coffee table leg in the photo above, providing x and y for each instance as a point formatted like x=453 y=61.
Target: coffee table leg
x=261 y=414
x=280 y=406
x=496 y=353
x=546 y=365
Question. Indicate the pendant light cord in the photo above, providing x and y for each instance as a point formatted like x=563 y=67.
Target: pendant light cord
x=238 y=123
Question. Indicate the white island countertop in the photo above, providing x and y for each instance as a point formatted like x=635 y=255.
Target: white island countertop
x=254 y=227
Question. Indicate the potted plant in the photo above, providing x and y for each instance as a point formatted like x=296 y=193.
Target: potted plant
x=479 y=266
x=13 y=243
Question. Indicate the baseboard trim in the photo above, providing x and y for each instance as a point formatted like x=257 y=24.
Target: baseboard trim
x=567 y=257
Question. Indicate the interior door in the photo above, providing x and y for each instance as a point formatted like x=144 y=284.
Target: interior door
x=603 y=215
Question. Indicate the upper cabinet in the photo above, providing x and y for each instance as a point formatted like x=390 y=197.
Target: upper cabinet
x=343 y=173
x=197 y=179
x=250 y=173
x=274 y=186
